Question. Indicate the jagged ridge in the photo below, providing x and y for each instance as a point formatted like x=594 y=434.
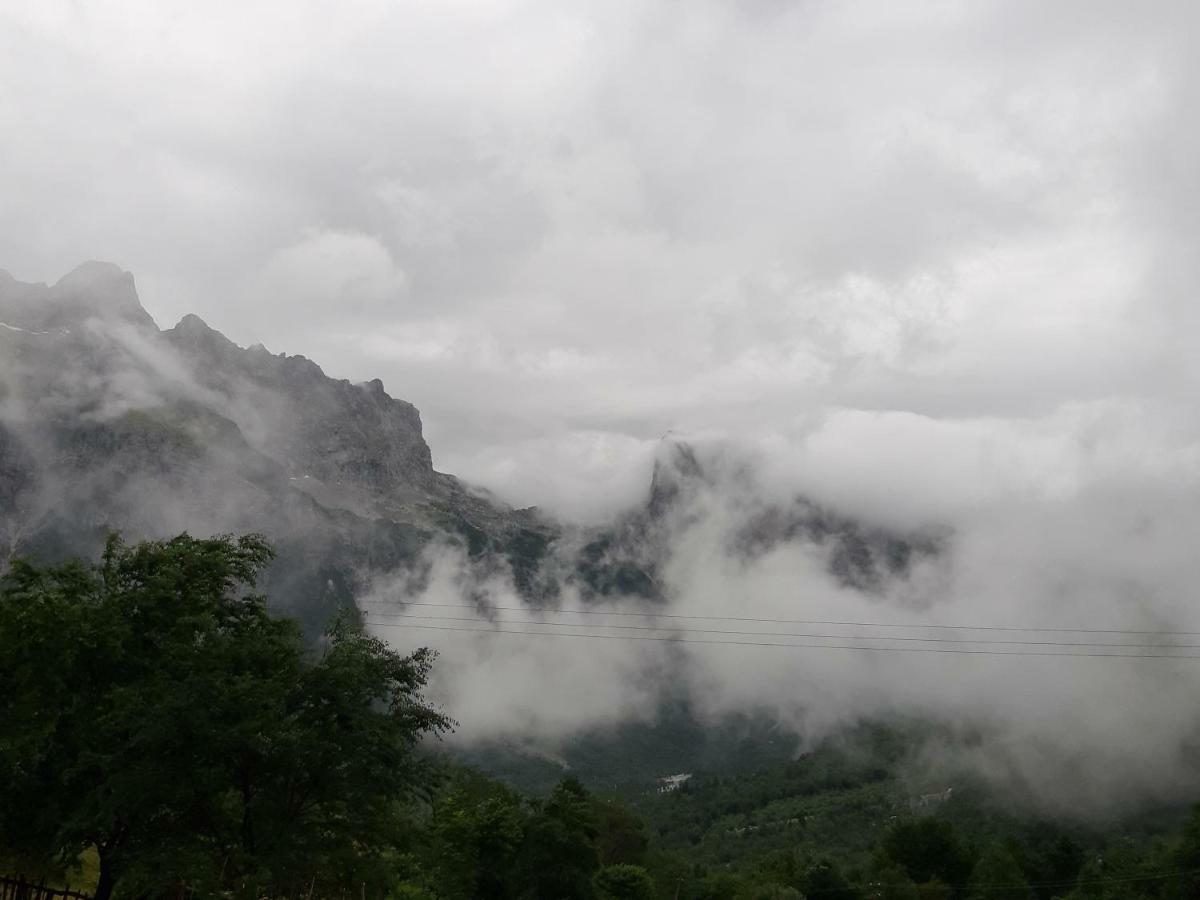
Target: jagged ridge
x=107 y=423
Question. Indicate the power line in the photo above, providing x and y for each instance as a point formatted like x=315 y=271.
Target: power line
x=1118 y=879
x=1157 y=876
x=658 y=615
x=781 y=634
x=683 y=640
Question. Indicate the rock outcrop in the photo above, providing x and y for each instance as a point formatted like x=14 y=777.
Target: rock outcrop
x=109 y=424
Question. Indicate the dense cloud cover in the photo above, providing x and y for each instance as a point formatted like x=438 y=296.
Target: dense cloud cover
x=1081 y=722
x=563 y=229
x=931 y=263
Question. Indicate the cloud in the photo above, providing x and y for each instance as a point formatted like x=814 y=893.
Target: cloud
x=326 y=279
x=927 y=262
x=580 y=477
x=627 y=220
x=530 y=687
x=1081 y=735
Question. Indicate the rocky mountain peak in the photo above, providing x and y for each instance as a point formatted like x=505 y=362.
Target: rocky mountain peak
x=193 y=324
x=94 y=273
x=317 y=426
x=676 y=466
x=153 y=432
x=203 y=342
x=98 y=290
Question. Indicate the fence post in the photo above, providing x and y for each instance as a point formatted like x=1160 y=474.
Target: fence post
x=21 y=888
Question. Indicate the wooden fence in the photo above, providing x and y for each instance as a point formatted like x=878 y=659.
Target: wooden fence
x=20 y=889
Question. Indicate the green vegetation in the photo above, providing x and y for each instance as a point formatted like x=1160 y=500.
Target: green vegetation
x=164 y=736
x=154 y=711
x=841 y=822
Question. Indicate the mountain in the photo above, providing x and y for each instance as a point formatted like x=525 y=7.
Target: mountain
x=108 y=423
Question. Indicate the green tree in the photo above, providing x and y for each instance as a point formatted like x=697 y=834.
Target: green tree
x=769 y=891
x=559 y=856
x=717 y=886
x=474 y=838
x=624 y=882
x=1049 y=857
x=825 y=880
x=621 y=835
x=997 y=874
x=935 y=889
x=893 y=884
x=928 y=848
x=156 y=711
x=1185 y=857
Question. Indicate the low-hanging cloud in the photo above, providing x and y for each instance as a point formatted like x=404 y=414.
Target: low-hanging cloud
x=930 y=264
x=1090 y=551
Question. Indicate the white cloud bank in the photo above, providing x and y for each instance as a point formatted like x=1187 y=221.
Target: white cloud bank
x=576 y=226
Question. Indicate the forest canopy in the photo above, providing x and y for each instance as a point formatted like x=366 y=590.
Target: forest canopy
x=155 y=711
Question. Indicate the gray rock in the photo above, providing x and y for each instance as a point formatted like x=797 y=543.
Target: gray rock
x=108 y=423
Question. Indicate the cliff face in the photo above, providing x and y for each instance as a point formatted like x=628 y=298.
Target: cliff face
x=108 y=423
x=327 y=429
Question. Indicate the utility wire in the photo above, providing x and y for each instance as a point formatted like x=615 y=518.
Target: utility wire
x=1157 y=876
x=805 y=634
x=1119 y=879
x=683 y=640
x=657 y=615
x=1116 y=879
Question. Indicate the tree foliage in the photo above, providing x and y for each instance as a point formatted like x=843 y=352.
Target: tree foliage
x=928 y=848
x=156 y=711
x=623 y=881
x=997 y=874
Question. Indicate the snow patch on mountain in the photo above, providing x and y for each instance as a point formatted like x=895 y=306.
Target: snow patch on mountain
x=22 y=330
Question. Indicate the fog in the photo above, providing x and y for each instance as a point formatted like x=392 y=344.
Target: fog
x=565 y=229
x=1020 y=547
x=929 y=264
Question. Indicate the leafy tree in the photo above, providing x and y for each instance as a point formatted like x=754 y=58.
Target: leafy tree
x=769 y=891
x=558 y=854
x=997 y=874
x=716 y=887
x=624 y=882
x=1091 y=886
x=621 y=835
x=474 y=838
x=935 y=889
x=825 y=880
x=893 y=884
x=328 y=791
x=926 y=848
x=1129 y=870
x=1186 y=858
x=156 y=711
x=1049 y=857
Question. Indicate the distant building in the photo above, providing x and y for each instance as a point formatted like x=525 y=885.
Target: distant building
x=935 y=799
x=672 y=782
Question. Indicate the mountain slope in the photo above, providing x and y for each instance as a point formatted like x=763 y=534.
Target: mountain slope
x=108 y=423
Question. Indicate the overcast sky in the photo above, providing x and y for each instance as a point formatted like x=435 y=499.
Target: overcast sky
x=931 y=248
